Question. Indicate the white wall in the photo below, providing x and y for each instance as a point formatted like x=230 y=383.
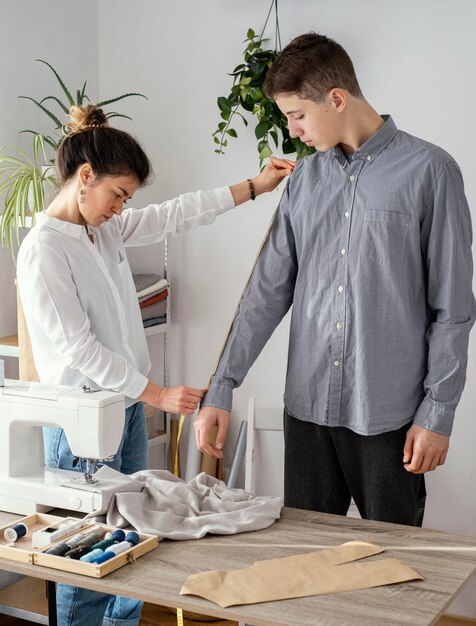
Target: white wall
x=415 y=60
x=32 y=30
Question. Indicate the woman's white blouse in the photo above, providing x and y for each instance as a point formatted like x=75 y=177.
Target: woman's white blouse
x=79 y=298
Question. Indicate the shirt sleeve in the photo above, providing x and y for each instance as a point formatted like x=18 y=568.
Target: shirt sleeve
x=140 y=227
x=446 y=247
x=53 y=313
x=266 y=299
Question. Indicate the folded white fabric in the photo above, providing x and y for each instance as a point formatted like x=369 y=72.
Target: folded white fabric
x=174 y=509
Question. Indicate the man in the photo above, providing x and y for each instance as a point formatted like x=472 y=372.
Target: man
x=371 y=245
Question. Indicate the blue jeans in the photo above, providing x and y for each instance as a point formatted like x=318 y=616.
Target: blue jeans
x=82 y=607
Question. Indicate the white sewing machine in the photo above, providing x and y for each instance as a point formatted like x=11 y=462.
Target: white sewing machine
x=93 y=423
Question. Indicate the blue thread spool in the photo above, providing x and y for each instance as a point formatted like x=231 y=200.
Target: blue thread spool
x=103 y=545
x=59 y=549
x=112 y=552
x=118 y=535
x=15 y=532
x=132 y=537
x=88 y=558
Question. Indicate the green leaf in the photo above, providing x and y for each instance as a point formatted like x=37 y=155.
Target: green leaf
x=65 y=108
x=231 y=132
x=45 y=110
x=255 y=93
x=261 y=129
x=216 y=140
x=59 y=79
x=265 y=153
x=103 y=103
x=114 y=114
x=224 y=104
x=250 y=34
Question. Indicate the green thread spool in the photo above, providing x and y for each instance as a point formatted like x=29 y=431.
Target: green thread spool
x=102 y=545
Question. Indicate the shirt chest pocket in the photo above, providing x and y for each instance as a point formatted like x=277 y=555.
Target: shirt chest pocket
x=384 y=235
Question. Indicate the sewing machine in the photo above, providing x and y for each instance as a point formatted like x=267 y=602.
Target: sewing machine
x=93 y=422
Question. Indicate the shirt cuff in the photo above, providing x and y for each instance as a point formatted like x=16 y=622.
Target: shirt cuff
x=136 y=385
x=220 y=396
x=224 y=198
x=434 y=417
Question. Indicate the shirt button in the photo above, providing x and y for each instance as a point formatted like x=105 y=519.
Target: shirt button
x=340 y=288
x=342 y=251
x=369 y=157
x=347 y=214
x=338 y=325
x=336 y=363
x=352 y=177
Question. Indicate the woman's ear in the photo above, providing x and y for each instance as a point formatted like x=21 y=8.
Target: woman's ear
x=86 y=174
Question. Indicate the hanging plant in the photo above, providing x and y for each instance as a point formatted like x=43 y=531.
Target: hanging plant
x=247 y=97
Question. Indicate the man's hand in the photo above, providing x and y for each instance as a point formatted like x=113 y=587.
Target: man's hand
x=207 y=417
x=424 y=450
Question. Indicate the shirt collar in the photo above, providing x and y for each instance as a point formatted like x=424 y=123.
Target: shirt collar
x=68 y=228
x=373 y=146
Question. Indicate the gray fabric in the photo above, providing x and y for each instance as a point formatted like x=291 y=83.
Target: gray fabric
x=142 y=281
x=174 y=509
x=375 y=257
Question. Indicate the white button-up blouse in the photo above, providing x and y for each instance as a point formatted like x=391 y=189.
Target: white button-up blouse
x=79 y=298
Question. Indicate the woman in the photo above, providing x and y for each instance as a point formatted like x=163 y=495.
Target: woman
x=80 y=303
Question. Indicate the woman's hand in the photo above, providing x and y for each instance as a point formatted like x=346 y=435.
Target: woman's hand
x=180 y=400
x=273 y=174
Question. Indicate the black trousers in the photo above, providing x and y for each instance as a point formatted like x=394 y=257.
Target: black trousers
x=324 y=467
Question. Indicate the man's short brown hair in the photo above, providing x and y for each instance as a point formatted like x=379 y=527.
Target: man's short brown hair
x=310 y=66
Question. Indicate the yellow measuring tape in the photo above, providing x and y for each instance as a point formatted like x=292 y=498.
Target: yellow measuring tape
x=182 y=417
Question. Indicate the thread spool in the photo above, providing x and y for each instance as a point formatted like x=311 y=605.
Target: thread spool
x=77 y=553
x=15 y=532
x=108 y=535
x=103 y=545
x=113 y=551
x=132 y=537
x=87 y=558
x=73 y=542
x=118 y=535
x=59 y=549
x=91 y=539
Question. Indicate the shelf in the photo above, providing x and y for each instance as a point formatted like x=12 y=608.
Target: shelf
x=9 y=346
x=158 y=329
x=161 y=438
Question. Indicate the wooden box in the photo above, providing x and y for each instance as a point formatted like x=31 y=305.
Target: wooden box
x=22 y=550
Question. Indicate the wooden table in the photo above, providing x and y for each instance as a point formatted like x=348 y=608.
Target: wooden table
x=446 y=561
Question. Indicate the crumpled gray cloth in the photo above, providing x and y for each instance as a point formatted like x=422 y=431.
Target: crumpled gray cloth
x=174 y=509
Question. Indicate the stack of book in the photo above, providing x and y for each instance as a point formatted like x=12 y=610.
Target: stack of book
x=152 y=292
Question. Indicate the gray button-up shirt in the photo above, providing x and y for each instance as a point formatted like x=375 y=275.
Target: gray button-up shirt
x=375 y=257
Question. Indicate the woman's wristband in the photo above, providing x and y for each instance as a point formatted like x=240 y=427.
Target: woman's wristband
x=252 y=189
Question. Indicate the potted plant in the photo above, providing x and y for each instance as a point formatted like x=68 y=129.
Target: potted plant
x=247 y=97
x=25 y=179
